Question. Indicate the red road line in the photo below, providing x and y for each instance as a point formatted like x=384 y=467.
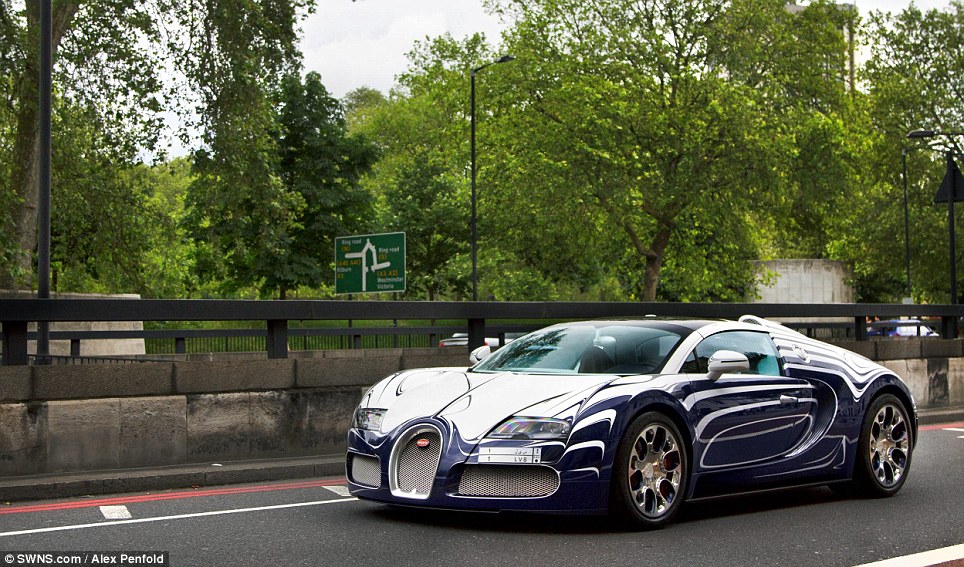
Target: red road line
x=169 y=496
x=940 y=426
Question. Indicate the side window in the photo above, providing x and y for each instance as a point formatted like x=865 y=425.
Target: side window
x=691 y=365
x=758 y=348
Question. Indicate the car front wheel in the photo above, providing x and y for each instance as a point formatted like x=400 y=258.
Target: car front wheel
x=650 y=473
x=884 y=451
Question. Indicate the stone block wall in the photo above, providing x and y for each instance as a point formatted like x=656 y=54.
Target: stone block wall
x=94 y=417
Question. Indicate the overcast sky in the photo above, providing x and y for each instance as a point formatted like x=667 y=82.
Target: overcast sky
x=363 y=43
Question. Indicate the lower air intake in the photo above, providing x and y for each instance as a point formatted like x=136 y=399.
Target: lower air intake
x=508 y=481
x=365 y=470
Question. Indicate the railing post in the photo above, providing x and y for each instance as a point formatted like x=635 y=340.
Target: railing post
x=949 y=327
x=277 y=339
x=476 y=333
x=356 y=342
x=180 y=345
x=74 y=348
x=860 y=328
x=15 y=343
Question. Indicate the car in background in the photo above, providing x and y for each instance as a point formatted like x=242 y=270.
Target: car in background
x=901 y=328
x=457 y=339
x=633 y=418
x=462 y=339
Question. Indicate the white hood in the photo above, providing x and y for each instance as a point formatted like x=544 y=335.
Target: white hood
x=474 y=402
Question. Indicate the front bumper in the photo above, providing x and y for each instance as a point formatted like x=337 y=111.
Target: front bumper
x=449 y=473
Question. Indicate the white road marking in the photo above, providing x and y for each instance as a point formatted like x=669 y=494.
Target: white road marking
x=116 y=512
x=954 y=429
x=339 y=490
x=924 y=559
x=177 y=517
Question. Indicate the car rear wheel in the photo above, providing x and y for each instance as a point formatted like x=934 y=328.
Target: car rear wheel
x=650 y=473
x=884 y=450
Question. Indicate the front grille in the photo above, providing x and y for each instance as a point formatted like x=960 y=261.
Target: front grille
x=415 y=466
x=365 y=470
x=508 y=481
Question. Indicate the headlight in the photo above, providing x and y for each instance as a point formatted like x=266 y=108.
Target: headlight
x=531 y=428
x=368 y=418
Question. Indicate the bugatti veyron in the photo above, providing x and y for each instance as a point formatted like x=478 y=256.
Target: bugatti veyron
x=632 y=418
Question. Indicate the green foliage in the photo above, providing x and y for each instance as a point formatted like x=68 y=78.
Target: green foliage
x=625 y=122
x=103 y=64
x=913 y=83
x=322 y=164
x=242 y=213
x=633 y=150
x=426 y=204
x=115 y=229
x=421 y=181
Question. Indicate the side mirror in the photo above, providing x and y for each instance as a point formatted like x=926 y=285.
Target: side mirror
x=726 y=362
x=479 y=354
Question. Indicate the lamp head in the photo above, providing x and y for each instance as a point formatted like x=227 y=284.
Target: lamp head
x=920 y=134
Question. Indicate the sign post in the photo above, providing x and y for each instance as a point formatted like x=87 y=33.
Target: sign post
x=370 y=263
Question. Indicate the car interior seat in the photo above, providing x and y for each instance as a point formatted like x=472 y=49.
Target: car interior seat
x=594 y=360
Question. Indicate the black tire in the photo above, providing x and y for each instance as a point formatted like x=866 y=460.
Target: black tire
x=884 y=450
x=650 y=473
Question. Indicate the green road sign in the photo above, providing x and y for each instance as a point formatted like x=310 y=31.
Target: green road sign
x=371 y=263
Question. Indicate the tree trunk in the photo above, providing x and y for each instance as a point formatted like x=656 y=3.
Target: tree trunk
x=654 y=261
x=25 y=180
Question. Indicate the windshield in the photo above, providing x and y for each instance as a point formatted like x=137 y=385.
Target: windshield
x=586 y=349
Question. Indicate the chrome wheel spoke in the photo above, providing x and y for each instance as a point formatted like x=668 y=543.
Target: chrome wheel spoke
x=655 y=470
x=889 y=445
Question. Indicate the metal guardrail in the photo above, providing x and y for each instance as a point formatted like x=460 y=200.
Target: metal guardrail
x=15 y=314
x=188 y=341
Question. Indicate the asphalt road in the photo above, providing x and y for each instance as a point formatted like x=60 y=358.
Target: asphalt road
x=314 y=522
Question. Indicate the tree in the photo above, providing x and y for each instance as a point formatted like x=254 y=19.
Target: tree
x=359 y=104
x=630 y=118
x=103 y=62
x=914 y=82
x=220 y=61
x=426 y=204
x=115 y=228
x=320 y=163
x=421 y=179
x=239 y=208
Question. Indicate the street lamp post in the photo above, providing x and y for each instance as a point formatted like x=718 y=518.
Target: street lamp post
x=43 y=195
x=475 y=233
x=951 y=178
x=903 y=159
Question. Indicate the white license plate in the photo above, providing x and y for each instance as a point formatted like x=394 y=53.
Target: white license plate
x=519 y=455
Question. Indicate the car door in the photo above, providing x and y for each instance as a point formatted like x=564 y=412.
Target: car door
x=750 y=417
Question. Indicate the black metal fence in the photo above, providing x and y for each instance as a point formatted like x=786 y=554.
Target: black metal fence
x=481 y=319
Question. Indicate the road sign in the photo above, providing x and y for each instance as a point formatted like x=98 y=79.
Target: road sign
x=952 y=183
x=370 y=263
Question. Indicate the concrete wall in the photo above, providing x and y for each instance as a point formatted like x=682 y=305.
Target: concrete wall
x=92 y=417
x=89 y=347
x=806 y=281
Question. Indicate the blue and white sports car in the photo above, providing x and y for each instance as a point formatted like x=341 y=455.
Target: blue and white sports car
x=633 y=418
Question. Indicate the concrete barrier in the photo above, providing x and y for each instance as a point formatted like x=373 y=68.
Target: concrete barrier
x=89 y=347
x=92 y=417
